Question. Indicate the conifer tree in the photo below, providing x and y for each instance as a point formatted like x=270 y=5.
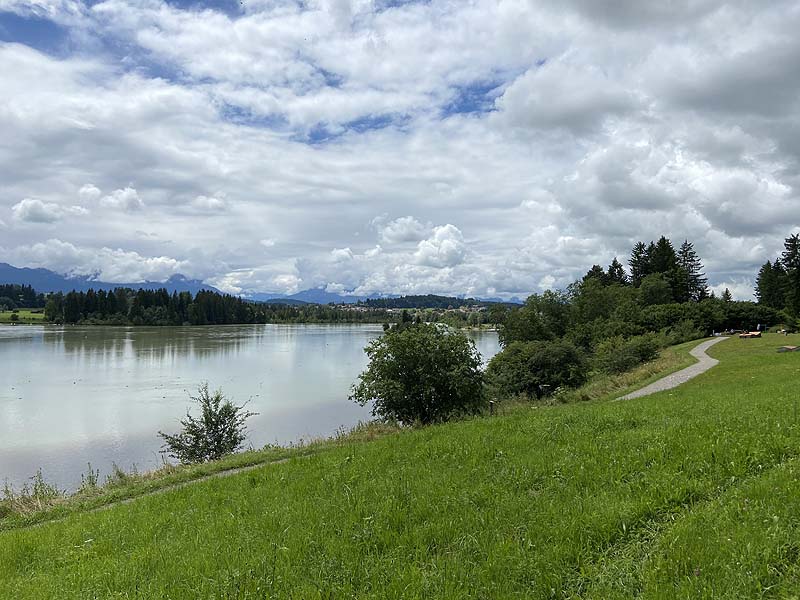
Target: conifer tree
x=616 y=273
x=596 y=272
x=663 y=258
x=769 y=285
x=696 y=287
x=791 y=263
x=639 y=263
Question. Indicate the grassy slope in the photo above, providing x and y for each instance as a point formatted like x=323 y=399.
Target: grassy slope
x=690 y=493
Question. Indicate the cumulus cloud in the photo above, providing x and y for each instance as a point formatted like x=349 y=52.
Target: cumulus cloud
x=104 y=264
x=403 y=229
x=126 y=199
x=585 y=98
x=33 y=210
x=89 y=192
x=445 y=248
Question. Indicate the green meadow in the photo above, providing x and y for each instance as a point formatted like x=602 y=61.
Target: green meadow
x=689 y=493
x=24 y=315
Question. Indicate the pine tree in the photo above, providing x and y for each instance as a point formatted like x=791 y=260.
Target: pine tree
x=769 y=285
x=663 y=258
x=791 y=263
x=616 y=273
x=639 y=263
x=696 y=284
x=596 y=272
x=726 y=296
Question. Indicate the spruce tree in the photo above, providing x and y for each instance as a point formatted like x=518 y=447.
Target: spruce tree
x=596 y=272
x=791 y=263
x=663 y=258
x=770 y=284
x=639 y=263
x=696 y=287
x=616 y=273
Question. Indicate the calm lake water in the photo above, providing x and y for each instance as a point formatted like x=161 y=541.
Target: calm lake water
x=74 y=395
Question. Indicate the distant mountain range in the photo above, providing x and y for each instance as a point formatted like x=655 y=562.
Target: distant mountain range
x=44 y=280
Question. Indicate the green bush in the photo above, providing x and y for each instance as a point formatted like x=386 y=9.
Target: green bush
x=617 y=355
x=219 y=431
x=525 y=367
x=683 y=331
x=421 y=373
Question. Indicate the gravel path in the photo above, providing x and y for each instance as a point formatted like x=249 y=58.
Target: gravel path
x=703 y=364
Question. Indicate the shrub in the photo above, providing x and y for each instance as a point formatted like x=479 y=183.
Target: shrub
x=617 y=355
x=219 y=431
x=421 y=373
x=525 y=367
x=683 y=331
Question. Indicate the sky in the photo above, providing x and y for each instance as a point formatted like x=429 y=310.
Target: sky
x=490 y=148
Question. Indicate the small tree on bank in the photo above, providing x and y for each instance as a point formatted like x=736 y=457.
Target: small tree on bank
x=219 y=431
x=421 y=373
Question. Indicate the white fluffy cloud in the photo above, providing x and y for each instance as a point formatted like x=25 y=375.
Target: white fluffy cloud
x=89 y=192
x=445 y=248
x=32 y=210
x=402 y=229
x=586 y=97
x=104 y=264
x=123 y=199
x=508 y=144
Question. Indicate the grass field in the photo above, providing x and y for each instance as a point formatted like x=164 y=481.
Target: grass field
x=26 y=316
x=691 y=493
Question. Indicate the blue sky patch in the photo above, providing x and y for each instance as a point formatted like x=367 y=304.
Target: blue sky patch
x=242 y=116
x=474 y=98
x=40 y=34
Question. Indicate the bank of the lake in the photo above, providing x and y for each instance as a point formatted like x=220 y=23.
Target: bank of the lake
x=75 y=395
x=693 y=492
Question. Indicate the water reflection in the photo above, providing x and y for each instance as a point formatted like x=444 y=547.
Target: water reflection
x=74 y=395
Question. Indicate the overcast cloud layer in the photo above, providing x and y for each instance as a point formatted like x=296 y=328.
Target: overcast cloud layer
x=479 y=147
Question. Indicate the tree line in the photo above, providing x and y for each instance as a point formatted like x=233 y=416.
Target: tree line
x=13 y=296
x=125 y=306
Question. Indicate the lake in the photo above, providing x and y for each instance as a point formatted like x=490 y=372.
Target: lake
x=76 y=395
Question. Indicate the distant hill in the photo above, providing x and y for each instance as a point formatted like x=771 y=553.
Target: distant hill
x=314 y=296
x=44 y=280
x=432 y=301
x=289 y=301
x=320 y=296
x=423 y=301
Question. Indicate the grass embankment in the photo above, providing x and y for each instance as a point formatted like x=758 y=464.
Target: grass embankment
x=689 y=493
x=25 y=316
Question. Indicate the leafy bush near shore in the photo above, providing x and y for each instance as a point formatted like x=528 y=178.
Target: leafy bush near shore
x=219 y=431
x=421 y=373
